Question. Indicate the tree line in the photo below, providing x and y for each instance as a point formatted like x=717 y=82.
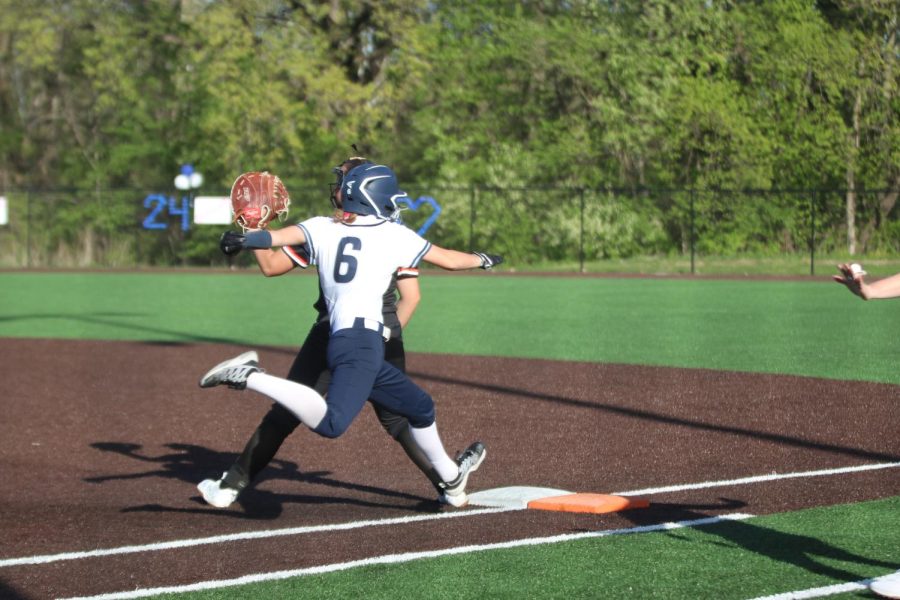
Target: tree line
x=504 y=94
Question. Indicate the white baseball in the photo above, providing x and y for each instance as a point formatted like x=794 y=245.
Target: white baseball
x=857 y=269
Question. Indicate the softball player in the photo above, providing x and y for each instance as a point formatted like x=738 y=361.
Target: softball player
x=309 y=368
x=356 y=257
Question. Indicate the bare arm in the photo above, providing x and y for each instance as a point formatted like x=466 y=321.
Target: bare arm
x=889 y=287
x=273 y=262
x=884 y=288
x=452 y=260
x=409 y=299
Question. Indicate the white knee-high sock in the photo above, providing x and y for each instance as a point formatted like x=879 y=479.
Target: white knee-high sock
x=306 y=403
x=430 y=442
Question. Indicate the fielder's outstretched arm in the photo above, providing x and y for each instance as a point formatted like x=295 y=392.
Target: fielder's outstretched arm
x=889 y=287
x=262 y=239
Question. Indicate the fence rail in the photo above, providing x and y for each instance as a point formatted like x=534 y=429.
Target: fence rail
x=573 y=227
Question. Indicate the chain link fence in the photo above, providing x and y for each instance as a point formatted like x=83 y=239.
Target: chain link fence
x=553 y=227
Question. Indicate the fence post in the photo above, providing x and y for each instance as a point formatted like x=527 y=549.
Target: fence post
x=472 y=197
x=581 y=232
x=692 y=232
x=812 y=232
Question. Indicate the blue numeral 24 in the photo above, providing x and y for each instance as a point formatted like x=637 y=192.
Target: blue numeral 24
x=160 y=203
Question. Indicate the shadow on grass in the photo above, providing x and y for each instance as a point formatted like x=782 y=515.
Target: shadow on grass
x=802 y=551
x=113 y=321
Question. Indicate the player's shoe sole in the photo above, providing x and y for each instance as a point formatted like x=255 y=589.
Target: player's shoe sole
x=233 y=372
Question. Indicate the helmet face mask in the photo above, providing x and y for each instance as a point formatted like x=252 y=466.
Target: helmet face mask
x=339 y=172
x=370 y=189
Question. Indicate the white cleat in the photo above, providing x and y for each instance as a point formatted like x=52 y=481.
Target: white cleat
x=216 y=495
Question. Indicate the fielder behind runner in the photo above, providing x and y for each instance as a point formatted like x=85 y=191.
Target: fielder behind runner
x=356 y=256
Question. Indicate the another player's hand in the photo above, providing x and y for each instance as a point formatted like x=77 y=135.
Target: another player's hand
x=488 y=261
x=852 y=279
x=231 y=242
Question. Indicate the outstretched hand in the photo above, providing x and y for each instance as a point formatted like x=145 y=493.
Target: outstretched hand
x=852 y=279
x=489 y=261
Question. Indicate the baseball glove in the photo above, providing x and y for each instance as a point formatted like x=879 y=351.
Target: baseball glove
x=258 y=197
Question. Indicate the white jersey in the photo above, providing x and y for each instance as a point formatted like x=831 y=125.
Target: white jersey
x=357 y=261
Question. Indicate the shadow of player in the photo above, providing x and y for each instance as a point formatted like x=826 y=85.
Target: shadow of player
x=803 y=551
x=190 y=463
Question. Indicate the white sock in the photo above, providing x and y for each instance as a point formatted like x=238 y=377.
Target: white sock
x=430 y=442
x=306 y=403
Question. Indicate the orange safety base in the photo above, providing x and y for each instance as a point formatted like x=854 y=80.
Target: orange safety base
x=589 y=503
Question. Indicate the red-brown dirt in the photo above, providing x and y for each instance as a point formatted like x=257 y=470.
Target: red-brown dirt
x=102 y=443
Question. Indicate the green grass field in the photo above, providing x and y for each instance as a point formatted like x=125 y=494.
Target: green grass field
x=813 y=328
x=724 y=560
x=809 y=328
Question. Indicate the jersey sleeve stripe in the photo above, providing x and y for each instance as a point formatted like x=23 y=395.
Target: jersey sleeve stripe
x=295 y=256
x=407 y=273
x=421 y=254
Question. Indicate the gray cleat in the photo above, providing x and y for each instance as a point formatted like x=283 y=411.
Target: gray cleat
x=233 y=372
x=454 y=492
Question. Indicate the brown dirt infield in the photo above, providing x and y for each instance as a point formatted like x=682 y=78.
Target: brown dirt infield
x=102 y=443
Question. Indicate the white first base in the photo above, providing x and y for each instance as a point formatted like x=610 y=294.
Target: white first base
x=512 y=497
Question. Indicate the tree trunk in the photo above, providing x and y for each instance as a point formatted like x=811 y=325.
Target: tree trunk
x=851 y=176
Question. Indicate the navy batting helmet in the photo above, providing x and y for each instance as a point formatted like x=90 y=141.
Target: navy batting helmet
x=371 y=189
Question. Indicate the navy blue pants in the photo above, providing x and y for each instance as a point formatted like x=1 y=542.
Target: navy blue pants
x=360 y=373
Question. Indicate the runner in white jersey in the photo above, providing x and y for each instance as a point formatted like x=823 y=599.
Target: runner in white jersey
x=354 y=281
x=356 y=254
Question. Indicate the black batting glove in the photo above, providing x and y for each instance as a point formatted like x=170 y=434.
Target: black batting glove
x=488 y=261
x=231 y=242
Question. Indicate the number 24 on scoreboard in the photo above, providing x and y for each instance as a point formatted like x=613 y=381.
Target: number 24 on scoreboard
x=160 y=204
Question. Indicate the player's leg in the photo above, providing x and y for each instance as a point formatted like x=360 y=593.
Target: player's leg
x=397 y=425
x=354 y=356
x=308 y=368
x=394 y=391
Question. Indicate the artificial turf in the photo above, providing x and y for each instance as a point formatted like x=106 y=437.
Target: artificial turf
x=813 y=328
x=745 y=558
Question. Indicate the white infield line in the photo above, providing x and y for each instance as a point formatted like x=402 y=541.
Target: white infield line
x=759 y=479
x=233 y=537
x=270 y=533
x=820 y=592
x=392 y=559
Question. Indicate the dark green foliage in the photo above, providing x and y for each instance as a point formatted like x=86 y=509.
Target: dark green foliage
x=503 y=95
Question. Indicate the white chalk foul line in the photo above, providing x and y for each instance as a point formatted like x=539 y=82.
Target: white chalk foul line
x=820 y=592
x=391 y=559
x=249 y=535
x=233 y=537
x=759 y=479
